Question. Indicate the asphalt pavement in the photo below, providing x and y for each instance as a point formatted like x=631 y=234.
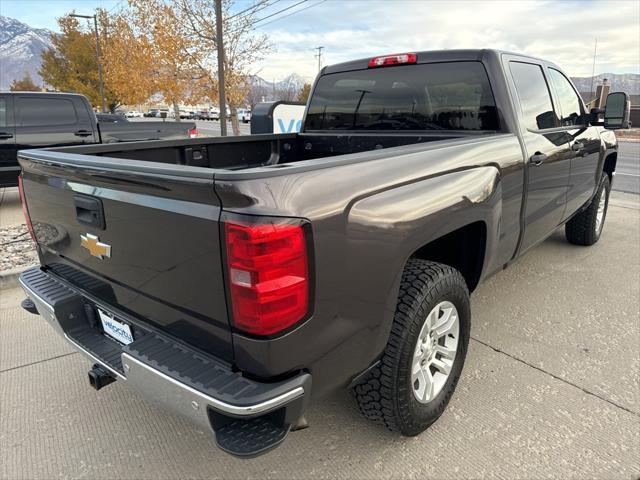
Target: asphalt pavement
x=628 y=167
x=550 y=389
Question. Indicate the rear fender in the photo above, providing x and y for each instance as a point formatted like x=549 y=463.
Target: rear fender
x=392 y=225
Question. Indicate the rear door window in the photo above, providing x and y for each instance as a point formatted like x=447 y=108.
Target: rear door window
x=436 y=96
x=533 y=95
x=38 y=111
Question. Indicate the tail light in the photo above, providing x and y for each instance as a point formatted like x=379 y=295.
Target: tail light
x=25 y=210
x=193 y=132
x=268 y=271
x=395 y=59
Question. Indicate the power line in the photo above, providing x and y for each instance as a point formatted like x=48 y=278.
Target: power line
x=279 y=11
x=115 y=6
x=293 y=13
x=256 y=7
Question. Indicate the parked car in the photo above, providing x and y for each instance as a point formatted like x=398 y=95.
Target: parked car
x=244 y=115
x=235 y=279
x=133 y=114
x=201 y=115
x=151 y=113
x=35 y=119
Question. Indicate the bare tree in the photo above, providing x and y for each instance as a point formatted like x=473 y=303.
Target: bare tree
x=257 y=93
x=243 y=47
x=288 y=92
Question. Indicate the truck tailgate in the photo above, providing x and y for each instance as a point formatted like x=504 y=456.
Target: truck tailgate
x=141 y=239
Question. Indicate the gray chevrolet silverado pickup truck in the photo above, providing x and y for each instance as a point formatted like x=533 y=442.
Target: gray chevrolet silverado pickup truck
x=234 y=280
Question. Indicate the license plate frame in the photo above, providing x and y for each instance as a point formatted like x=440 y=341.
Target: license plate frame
x=115 y=328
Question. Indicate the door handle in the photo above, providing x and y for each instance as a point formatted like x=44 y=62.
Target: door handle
x=5 y=136
x=83 y=133
x=538 y=158
x=577 y=146
x=89 y=210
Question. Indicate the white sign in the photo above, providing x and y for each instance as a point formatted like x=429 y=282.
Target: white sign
x=287 y=118
x=115 y=329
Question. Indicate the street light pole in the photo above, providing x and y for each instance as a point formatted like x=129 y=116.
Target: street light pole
x=221 y=95
x=100 y=82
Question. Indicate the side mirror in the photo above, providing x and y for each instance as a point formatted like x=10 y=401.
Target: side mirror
x=617 y=111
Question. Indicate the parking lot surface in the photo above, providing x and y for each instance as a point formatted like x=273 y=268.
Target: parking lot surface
x=551 y=388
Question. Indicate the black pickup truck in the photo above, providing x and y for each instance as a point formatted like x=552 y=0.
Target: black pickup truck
x=35 y=120
x=235 y=279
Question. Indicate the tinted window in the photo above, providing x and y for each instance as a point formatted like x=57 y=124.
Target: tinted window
x=110 y=118
x=568 y=99
x=45 y=111
x=3 y=112
x=451 y=96
x=534 y=97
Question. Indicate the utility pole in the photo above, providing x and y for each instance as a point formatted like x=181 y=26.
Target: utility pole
x=100 y=82
x=319 y=56
x=221 y=97
x=593 y=72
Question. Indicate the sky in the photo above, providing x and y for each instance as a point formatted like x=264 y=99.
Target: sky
x=563 y=32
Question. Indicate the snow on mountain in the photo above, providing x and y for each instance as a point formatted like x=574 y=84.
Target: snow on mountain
x=620 y=82
x=20 y=50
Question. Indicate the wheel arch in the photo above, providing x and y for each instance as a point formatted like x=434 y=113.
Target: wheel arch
x=609 y=166
x=463 y=249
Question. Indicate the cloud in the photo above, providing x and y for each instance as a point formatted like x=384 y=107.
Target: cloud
x=562 y=32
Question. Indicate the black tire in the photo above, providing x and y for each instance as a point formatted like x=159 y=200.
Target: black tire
x=583 y=228
x=386 y=395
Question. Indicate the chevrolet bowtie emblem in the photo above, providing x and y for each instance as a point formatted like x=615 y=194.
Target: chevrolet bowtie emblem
x=95 y=247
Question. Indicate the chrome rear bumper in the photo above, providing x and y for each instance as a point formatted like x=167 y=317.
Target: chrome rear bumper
x=205 y=390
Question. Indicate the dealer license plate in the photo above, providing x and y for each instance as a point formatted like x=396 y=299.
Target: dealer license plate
x=115 y=329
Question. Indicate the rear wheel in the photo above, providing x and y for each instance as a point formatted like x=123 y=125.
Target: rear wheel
x=586 y=227
x=421 y=364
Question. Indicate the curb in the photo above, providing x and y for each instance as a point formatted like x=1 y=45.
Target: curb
x=9 y=278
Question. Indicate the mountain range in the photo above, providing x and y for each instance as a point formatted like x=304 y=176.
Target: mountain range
x=625 y=82
x=20 y=50
x=21 y=47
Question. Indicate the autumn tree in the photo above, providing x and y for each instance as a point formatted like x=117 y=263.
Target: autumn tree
x=243 y=47
x=303 y=96
x=25 y=84
x=148 y=52
x=128 y=63
x=71 y=65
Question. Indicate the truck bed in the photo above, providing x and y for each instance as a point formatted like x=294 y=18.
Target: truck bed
x=238 y=153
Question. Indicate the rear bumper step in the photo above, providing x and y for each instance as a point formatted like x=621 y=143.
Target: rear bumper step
x=248 y=417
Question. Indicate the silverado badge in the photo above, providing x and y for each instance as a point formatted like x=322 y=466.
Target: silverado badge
x=95 y=247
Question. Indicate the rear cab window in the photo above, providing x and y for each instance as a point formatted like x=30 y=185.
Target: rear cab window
x=432 y=96
x=38 y=111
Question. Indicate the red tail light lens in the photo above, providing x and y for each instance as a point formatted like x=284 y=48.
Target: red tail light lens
x=25 y=210
x=268 y=268
x=395 y=59
x=193 y=132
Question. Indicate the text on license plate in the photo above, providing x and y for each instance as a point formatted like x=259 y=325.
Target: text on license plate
x=115 y=329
